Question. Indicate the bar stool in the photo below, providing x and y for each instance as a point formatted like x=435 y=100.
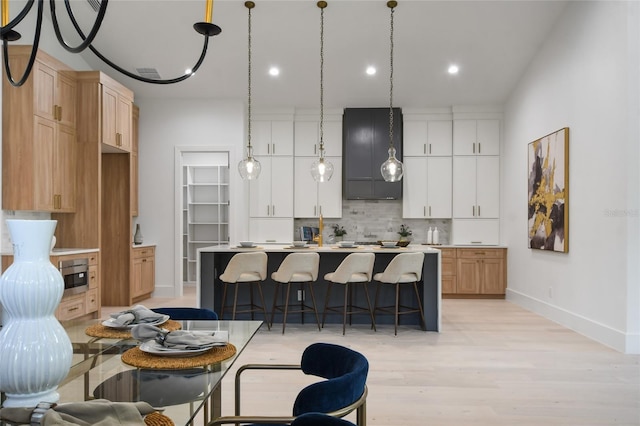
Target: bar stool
x=299 y=268
x=404 y=268
x=249 y=268
x=355 y=268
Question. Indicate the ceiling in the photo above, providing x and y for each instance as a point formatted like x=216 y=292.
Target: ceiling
x=492 y=42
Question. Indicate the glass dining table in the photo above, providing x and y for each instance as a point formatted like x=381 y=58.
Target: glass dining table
x=185 y=394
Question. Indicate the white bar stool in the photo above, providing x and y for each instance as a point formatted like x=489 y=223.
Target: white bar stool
x=355 y=268
x=299 y=268
x=404 y=268
x=249 y=268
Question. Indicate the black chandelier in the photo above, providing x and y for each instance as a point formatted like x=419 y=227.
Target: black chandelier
x=8 y=34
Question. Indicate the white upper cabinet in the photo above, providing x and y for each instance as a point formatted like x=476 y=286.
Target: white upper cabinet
x=307 y=138
x=312 y=198
x=427 y=137
x=271 y=195
x=427 y=188
x=272 y=137
x=476 y=137
x=476 y=187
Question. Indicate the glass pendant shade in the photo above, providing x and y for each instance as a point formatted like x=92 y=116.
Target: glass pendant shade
x=321 y=170
x=392 y=169
x=249 y=168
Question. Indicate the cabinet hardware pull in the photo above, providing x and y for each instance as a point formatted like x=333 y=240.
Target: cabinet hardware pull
x=424 y=148
x=314 y=211
x=144 y=260
x=473 y=209
x=268 y=148
x=478 y=210
x=479 y=148
x=424 y=211
x=429 y=210
x=268 y=209
x=320 y=209
x=475 y=242
x=474 y=147
x=429 y=148
x=480 y=253
x=314 y=148
x=59 y=113
x=73 y=309
x=273 y=210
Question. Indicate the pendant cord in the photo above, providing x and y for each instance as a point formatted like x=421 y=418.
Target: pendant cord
x=249 y=84
x=391 y=82
x=321 y=82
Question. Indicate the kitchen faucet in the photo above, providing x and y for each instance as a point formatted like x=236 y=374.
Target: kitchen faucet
x=318 y=237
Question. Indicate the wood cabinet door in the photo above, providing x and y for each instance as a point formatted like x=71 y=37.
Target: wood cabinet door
x=66 y=98
x=137 y=277
x=123 y=120
x=65 y=171
x=148 y=275
x=468 y=276
x=492 y=280
x=109 y=116
x=44 y=90
x=44 y=158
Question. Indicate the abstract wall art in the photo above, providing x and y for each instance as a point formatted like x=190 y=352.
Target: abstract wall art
x=548 y=209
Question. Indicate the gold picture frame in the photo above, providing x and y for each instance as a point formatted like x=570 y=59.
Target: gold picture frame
x=548 y=192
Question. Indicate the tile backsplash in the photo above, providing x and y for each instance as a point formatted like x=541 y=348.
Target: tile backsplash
x=373 y=220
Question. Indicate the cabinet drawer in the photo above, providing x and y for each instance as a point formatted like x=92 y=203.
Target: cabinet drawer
x=139 y=253
x=480 y=253
x=448 y=253
x=93 y=277
x=93 y=258
x=91 y=301
x=71 y=308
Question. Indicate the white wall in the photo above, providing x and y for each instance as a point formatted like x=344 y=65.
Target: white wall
x=164 y=125
x=585 y=77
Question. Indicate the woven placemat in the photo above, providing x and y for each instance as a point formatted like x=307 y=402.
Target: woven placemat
x=99 y=330
x=158 y=419
x=137 y=358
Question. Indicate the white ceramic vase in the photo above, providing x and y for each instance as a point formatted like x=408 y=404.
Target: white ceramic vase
x=35 y=350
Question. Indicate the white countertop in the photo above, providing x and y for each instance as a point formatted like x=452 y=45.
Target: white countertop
x=324 y=248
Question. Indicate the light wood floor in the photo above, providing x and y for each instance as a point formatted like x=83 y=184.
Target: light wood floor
x=494 y=363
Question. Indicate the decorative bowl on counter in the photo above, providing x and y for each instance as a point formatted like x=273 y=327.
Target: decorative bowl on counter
x=403 y=243
x=299 y=243
x=346 y=243
x=388 y=243
x=245 y=243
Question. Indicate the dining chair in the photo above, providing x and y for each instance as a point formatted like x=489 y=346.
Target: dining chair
x=245 y=268
x=299 y=268
x=356 y=268
x=404 y=268
x=343 y=391
x=319 y=419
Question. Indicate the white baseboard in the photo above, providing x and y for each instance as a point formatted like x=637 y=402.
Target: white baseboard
x=623 y=342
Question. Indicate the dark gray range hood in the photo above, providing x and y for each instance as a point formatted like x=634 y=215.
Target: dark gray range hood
x=365 y=146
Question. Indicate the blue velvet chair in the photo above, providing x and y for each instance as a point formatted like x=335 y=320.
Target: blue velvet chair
x=187 y=313
x=319 y=419
x=343 y=391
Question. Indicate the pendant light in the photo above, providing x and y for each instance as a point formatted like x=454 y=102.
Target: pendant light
x=249 y=167
x=392 y=169
x=321 y=169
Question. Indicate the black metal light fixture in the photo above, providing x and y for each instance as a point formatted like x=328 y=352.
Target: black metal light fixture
x=8 y=34
x=321 y=169
x=249 y=167
x=392 y=169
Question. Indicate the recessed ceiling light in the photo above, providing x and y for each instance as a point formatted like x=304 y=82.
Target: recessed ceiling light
x=274 y=71
x=453 y=69
x=371 y=70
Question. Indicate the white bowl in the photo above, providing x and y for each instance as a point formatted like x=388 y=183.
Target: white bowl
x=299 y=243
x=388 y=243
x=246 y=243
x=346 y=243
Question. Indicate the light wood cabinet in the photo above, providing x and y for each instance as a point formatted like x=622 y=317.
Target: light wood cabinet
x=134 y=161
x=474 y=272
x=39 y=137
x=109 y=107
x=75 y=305
x=142 y=272
x=481 y=271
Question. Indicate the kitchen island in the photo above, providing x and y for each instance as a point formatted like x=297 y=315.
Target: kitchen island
x=213 y=260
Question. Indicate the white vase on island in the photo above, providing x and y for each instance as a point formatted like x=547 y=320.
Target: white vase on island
x=35 y=350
